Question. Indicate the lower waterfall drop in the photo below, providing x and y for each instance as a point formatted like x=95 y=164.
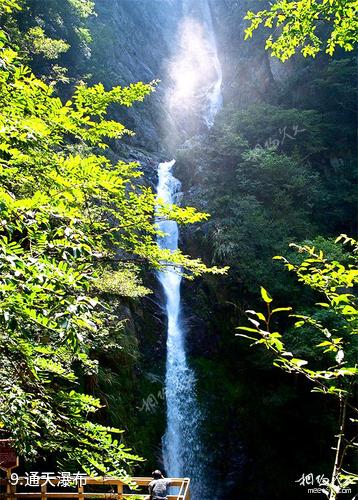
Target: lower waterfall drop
x=182 y=450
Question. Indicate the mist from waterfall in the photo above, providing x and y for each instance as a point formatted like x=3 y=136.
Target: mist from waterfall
x=195 y=75
x=197 y=79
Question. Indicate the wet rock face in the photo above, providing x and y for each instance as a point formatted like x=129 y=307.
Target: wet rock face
x=133 y=43
x=249 y=72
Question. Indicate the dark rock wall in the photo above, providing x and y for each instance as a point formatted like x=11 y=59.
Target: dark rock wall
x=246 y=67
x=133 y=42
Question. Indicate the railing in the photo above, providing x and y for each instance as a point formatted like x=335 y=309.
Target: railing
x=115 y=486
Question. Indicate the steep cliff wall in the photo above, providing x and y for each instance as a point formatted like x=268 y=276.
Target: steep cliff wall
x=133 y=41
x=246 y=68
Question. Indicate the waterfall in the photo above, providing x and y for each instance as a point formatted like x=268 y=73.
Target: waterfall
x=183 y=453
x=214 y=94
x=182 y=450
x=194 y=95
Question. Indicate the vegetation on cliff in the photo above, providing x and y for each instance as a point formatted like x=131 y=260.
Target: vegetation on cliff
x=278 y=167
x=326 y=337
x=307 y=26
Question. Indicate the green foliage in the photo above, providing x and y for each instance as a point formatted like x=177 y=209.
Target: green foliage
x=48 y=47
x=124 y=283
x=85 y=8
x=279 y=166
x=298 y=24
x=282 y=184
x=337 y=372
x=271 y=174
x=84 y=34
x=52 y=30
x=7 y=6
x=287 y=130
x=66 y=213
x=250 y=219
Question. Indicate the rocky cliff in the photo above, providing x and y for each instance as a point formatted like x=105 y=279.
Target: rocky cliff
x=133 y=42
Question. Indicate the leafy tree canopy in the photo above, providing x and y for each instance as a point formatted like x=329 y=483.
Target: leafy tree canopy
x=53 y=36
x=303 y=25
x=68 y=215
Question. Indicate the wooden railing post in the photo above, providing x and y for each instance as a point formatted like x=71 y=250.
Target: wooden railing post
x=187 y=489
x=10 y=489
x=44 y=491
x=119 y=491
x=80 y=493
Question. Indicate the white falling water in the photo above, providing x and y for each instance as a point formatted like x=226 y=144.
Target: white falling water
x=183 y=453
x=194 y=70
x=215 y=99
x=181 y=443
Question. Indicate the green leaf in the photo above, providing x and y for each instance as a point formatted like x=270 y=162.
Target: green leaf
x=247 y=329
x=281 y=309
x=265 y=295
x=298 y=362
x=258 y=314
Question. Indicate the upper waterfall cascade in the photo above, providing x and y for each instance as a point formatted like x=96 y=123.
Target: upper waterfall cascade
x=183 y=453
x=194 y=94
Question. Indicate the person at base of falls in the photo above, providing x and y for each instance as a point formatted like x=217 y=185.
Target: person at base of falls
x=158 y=488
